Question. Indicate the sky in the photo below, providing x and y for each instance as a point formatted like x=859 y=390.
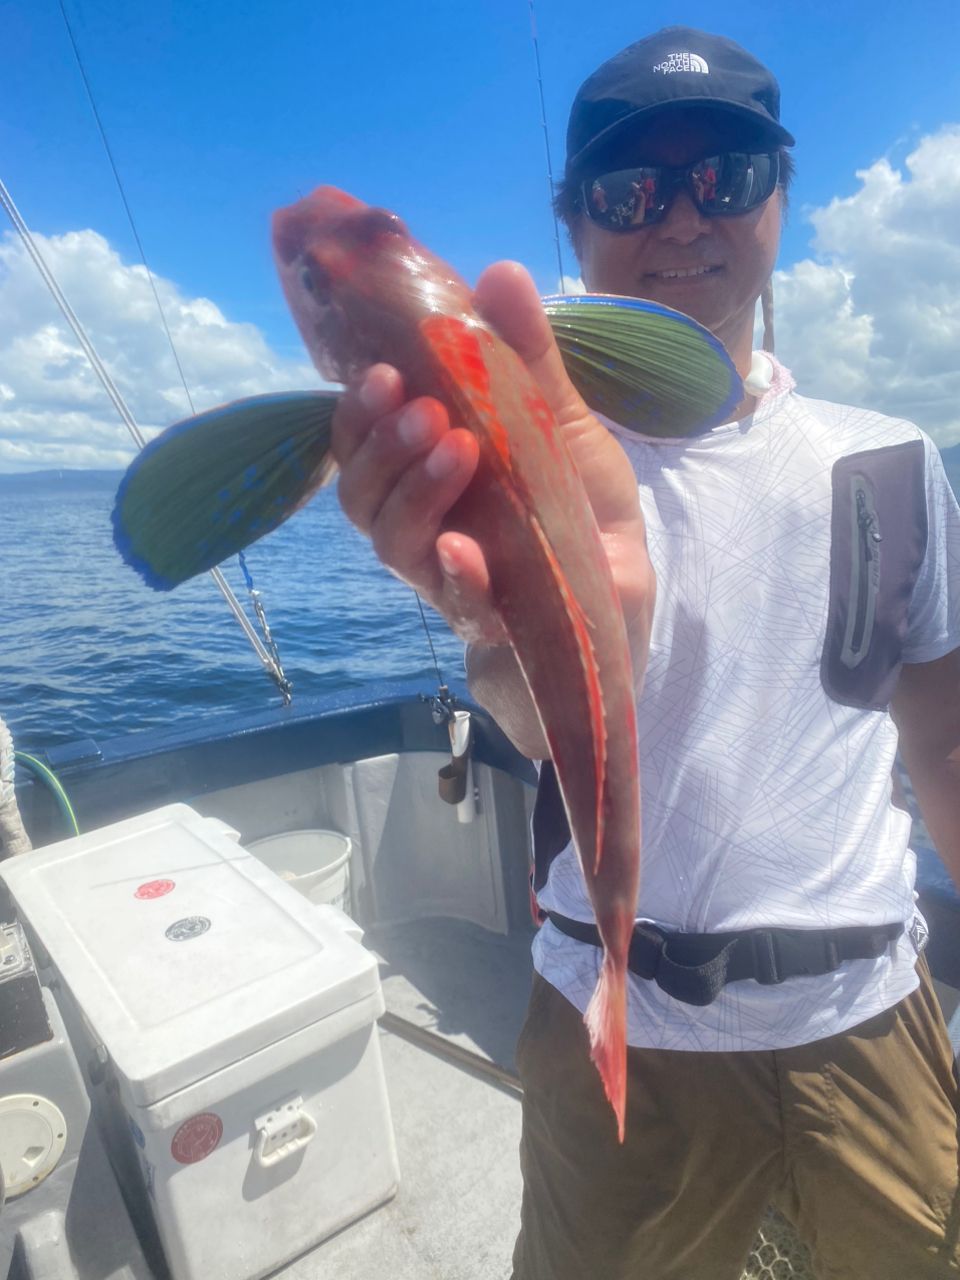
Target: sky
x=219 y=112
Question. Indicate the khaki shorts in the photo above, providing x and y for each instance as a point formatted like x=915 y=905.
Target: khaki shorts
x=853 y=1138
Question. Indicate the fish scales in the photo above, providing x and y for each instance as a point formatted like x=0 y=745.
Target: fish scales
x=362 y=291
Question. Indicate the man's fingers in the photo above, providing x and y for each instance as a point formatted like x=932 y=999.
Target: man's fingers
x=466 y=600
x=378 y=392
x=406 y=527
x=507 y=298
x=401 y=470
x=385 y=451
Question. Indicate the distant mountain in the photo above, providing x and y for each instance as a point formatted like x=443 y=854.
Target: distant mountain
x=30 y=481
x=45 y=481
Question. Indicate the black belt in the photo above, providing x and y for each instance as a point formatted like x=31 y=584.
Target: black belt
x=694 y=967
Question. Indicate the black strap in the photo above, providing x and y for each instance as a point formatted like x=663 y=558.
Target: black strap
x=551 y=831
x=695 y=967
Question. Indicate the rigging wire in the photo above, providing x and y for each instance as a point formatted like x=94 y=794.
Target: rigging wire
x=6 y=201
x=546 y=140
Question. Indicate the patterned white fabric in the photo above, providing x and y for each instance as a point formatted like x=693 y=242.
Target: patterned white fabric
x=765 y=803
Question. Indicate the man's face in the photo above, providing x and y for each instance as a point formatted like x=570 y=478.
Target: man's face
x=738 y=253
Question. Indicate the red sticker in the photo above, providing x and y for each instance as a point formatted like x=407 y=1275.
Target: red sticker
x=155 y=889
x=196 y=1138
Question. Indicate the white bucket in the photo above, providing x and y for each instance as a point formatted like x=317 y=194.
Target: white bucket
x=316 y=863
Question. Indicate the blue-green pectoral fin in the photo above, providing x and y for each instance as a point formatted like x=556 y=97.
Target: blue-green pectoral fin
x=211 y=485
x=647 y=367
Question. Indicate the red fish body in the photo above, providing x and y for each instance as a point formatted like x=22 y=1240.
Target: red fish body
x=362 y=291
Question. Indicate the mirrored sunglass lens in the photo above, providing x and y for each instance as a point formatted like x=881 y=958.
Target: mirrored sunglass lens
x=624 y=199
x=733 y=182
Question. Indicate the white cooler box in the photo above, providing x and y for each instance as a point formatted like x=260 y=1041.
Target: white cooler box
x=239 y=1023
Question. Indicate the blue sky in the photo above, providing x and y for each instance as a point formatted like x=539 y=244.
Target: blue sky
x=218 y=112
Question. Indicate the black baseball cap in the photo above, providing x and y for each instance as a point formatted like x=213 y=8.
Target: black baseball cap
x=676 y=67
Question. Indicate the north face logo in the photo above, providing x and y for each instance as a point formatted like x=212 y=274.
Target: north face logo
x=682 y=62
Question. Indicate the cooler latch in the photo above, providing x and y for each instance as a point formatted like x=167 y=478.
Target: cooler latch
x=283 y=1131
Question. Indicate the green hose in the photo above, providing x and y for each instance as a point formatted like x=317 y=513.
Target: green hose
x=51 y=781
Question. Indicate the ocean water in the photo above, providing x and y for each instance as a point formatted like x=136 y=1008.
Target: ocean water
x=89 y=651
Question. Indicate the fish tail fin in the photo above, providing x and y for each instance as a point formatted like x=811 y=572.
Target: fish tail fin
x=606 y=1021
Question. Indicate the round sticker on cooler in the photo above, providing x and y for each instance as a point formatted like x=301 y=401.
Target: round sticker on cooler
x=155 y=889
x=187 y=928
x=196 y=1138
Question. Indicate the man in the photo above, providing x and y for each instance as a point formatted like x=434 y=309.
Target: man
x=799 y=597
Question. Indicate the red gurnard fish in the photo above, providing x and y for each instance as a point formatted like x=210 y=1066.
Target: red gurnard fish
x=363 y=291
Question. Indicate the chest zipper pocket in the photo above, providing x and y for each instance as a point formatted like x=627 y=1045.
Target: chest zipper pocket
x=864 y=572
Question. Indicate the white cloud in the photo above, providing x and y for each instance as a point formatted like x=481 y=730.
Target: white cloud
x=53 y=409
x=874 y=318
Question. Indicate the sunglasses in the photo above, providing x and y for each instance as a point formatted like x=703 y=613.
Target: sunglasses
x=720 y=186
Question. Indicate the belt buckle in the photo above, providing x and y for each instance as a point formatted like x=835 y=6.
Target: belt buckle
x=766 y=969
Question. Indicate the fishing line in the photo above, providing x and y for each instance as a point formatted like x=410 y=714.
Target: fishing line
x=126 y=204
x=433 y=652
x=546 y=139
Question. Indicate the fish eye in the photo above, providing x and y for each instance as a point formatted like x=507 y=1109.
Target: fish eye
x=382 y=222
x=315 y=279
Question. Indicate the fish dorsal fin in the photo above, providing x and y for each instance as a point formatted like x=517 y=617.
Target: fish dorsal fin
x=209 y=486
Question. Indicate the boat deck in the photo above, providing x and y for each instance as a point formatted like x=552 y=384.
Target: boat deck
x=456 y=1215
x=458 y=1209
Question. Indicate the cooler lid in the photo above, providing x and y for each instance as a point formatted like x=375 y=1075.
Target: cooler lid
x=183 y=951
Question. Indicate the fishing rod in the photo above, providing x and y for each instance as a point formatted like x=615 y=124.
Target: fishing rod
x=546 y=141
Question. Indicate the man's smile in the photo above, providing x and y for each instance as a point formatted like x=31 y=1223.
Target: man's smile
x=682 y=273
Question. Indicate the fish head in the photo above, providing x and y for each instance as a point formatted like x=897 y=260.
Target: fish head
x=356 y=282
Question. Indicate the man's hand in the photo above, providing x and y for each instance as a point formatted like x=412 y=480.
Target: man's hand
x=404 y=465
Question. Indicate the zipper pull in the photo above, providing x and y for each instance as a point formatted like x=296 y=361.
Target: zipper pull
x=867 y=522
